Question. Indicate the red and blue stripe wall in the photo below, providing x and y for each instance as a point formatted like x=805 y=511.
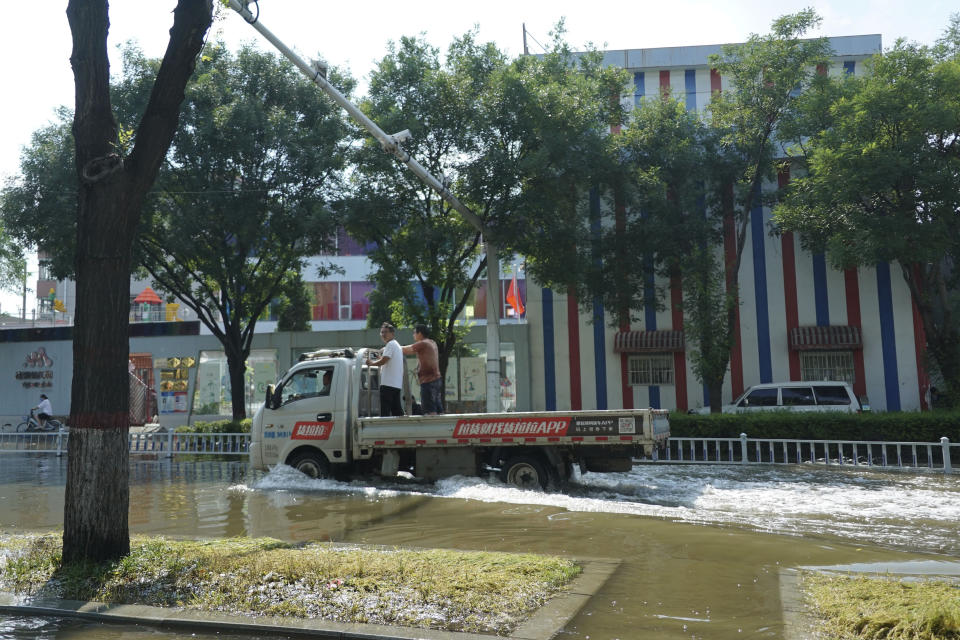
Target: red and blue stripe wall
x=782 y=286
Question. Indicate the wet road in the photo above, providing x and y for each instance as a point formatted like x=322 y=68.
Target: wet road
x=702 y=547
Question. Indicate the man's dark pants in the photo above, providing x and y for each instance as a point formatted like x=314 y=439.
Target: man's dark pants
x=431 y=396
x=390 y=401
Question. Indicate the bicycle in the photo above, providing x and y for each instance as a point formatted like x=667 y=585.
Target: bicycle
x=31 y=424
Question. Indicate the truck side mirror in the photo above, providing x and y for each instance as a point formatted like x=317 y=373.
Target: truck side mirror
x=269 y=401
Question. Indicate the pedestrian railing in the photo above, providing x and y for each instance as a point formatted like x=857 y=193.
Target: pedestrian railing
x=153 y=443
x=174 y=443
x=941 y=456
x=37 y=442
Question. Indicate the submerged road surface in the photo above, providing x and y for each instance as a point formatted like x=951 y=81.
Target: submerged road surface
x=703 y=547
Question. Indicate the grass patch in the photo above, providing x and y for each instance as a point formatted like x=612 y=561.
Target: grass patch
x=450 y=590
x=884 y=607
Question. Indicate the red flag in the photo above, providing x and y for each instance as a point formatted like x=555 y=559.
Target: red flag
x=513 y=296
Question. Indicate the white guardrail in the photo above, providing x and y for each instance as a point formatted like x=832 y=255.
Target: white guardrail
x=941 y=456
x=743 y=450
x=150 y=443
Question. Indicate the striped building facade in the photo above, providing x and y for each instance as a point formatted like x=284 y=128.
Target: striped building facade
x=798 y=317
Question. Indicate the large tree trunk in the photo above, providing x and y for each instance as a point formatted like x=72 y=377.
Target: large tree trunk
x=97 y=491
x=715 y=389
x=95 y=517
x=237 y=367
x=929 y=292
x=111 y=190
x=732 y=283
x=944 y=353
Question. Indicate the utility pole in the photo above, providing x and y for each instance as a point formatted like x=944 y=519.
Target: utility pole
x=23 y=307
x=393 y=144
x=493 y=328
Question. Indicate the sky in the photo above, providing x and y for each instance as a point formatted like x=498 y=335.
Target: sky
x=35 y=40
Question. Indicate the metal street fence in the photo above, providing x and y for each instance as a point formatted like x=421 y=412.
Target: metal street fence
x=40 y=442
x=942 y=456
x=939 y=456
x=170 y=444
x=154 y=443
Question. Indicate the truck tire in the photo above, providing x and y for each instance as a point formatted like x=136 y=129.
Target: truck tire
x=311 y=463
x=525 y=472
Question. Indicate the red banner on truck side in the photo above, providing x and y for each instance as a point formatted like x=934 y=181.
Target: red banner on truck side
x=311 y=431
x=511 y=427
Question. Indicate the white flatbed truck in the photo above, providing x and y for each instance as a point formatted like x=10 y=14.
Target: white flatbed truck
x=330 y=430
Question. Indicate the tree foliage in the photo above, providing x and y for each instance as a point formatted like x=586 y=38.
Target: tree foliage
x=767 y=74
x=680 y=180
x=13 y=263
x=244 y=197
x=544 y=148
x=426 y=257
x=670 y=157
x=514 y=139
x=883 y=166
x=240 y=202
x=38 y=206
x=660 y=215
x=293 y=306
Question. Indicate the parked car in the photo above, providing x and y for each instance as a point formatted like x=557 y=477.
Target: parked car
x=824 y=395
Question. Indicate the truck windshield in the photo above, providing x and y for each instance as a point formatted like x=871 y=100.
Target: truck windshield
x=307 y=383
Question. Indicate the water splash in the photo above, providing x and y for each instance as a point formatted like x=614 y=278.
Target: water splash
x=916 y=511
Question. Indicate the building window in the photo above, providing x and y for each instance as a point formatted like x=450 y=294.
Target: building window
x=45 y=270
x=827 y=365
x=476 y=307
x=341 y=300
x=344 y=301
x=211 y=391
x=326 y=301
x=652 y=369
x=360 y=300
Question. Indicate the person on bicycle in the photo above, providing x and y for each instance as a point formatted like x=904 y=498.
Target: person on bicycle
x=44 y=410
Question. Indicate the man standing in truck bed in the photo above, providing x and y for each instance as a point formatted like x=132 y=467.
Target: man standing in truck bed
x=428 y=370
x=391 y=372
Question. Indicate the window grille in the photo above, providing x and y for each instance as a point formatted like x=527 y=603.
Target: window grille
x=827 y=365
x=45 y=270
x=652 y=369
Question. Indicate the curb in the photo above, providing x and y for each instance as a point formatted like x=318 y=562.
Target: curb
x=544 y=624
x=798 y=622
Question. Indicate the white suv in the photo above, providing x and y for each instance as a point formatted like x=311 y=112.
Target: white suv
x=795 y=396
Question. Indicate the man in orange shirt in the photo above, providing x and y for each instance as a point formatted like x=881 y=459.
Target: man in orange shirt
x=428 y=370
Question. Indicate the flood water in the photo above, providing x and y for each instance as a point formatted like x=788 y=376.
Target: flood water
x=702 y=547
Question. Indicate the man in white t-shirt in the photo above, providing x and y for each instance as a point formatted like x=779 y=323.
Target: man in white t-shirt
x=391 y=372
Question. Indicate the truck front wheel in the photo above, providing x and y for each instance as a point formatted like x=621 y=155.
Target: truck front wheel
x=525 y=472
x=311 y=463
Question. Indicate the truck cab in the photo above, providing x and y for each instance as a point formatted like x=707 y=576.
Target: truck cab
x=306 y=417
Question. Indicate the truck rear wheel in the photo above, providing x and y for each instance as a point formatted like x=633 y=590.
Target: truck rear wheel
x=525 y=472
x=311 y=463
